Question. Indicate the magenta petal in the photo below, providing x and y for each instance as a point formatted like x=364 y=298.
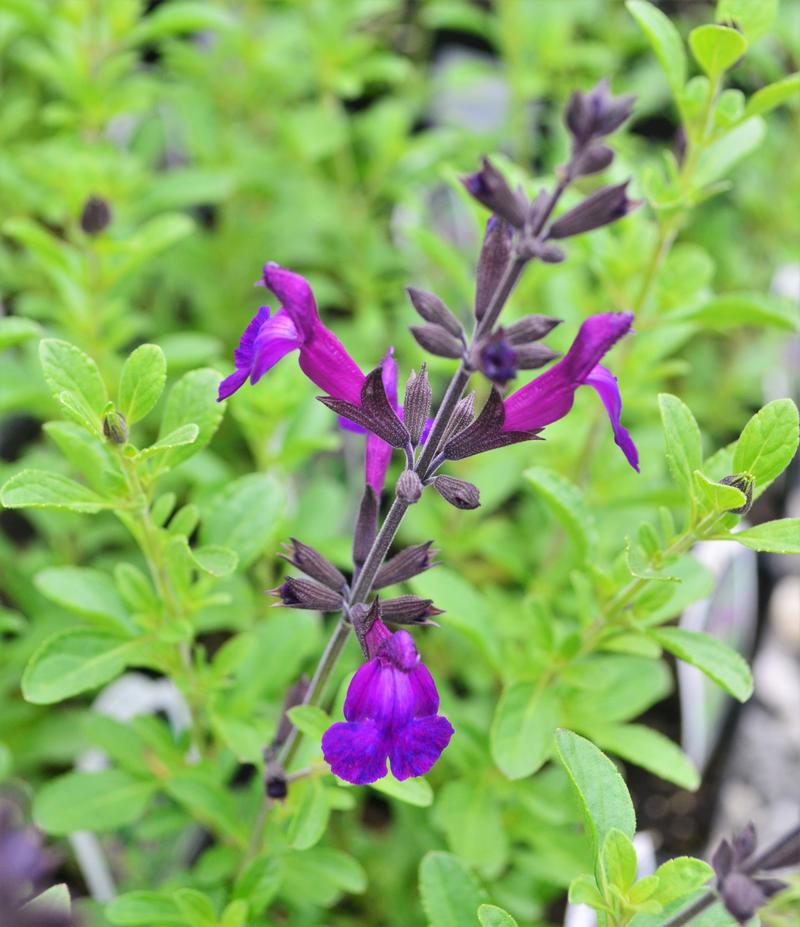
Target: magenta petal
x=426 y=697
x=355 y=752
x=359 y=703
x=389 y=377
x=415 y=748
x=231 y=383
x=243 y=355
x=277 y=337
x=596 y=337
x=605 y=384
x=295 y=296
x=400 y=651
x=325 y=361
x=377 y=457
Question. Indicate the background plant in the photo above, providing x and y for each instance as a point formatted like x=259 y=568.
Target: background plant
x=217 y=145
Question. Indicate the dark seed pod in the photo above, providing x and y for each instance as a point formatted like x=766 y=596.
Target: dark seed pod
x=433 y=310
x=459 y=493
x=436 y=340
x=306 y=593
x=744 y=483
x=313 y=564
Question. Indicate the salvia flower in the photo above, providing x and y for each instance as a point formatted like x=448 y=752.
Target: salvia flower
x=550 y=396
x=295 y=327
x=392 y=713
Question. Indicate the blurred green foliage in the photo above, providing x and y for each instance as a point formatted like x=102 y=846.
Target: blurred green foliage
x=329 y=136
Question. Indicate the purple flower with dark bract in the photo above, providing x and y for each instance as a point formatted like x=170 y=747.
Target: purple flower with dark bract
x=550 y=396
x=295 y=326
x=392 y=713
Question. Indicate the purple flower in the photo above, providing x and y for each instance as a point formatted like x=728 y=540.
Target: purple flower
x=296 y=325
x=391 y=711
x=550 y=396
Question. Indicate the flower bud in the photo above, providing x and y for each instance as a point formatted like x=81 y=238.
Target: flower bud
x=596 y=113
x=409 y=609
x=498 y=243
x=417 y=404
x=462 y=415
x=275 y=783
x=744 y=483
x=306 y=593
x=489 y=187
x=115 y=428
x=408 y=563
x=95 y=216
x=530 y=328
x=437 y=340
x=534 y=356
x=313 y=564
x=592 y=160
x=459 y=493
x=496 y=358
x=432 y=309
x=600 y=208
x=366 y=526
x=409 y=487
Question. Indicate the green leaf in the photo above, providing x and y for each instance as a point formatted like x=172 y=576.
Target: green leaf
x=664 y=39
x=781 y=536
x=680 y=876
x=716 y=497
x=74 y=661
x=583 y=890
x=38 y=489
x=450 y=895
x=753 y=17
x=244 y=515
x=417 y=792
x=85 y=591
x=649 y=749
x=566 y=501
x=310 y=720
x=177 y=19
x=725 y=666
x=491 y=916
x=216 y=561
x=718 y=159
x=641 y=565
x=310 y=817
x=142 y=381
x=724 y=312
x=618 y=860
x=101 y=801
x=602 y=792
x=193 y=399
x=15 y=330
x=522 y=728
x=471 y=818
x=209 y=802
x=196 y=908
x=716 y=48
x=259 y=882
x=68 y=370
x=768 y=443
x=179 y=437
x=144 y=908
x=767 y=98
x=684 y=448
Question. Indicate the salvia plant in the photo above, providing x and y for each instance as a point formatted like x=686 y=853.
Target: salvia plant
x=219 y=776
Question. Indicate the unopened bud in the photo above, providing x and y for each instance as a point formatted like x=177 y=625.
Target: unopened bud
x=409 y=609
x=489 y=187
x=530 y=328
x=115 y=428
x=408 y=563
x=366 y=526
x=545 y=251
x=95 y=216
x=600 y=208
x=275 y=782
x=592 y=160
x=462 y=416
x=534 y=356
x=744 y=482
x=596 y=113
x=417 y=404
x=313 y=564
x=436 y=340
x=459 y=493
x=432 y=309
x=492 y=263
x=306 y=593
x=409 y=487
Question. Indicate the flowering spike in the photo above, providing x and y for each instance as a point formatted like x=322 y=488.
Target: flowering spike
x=408 y=563
x=391 y=712
x=306 y=593
x=313 y=564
